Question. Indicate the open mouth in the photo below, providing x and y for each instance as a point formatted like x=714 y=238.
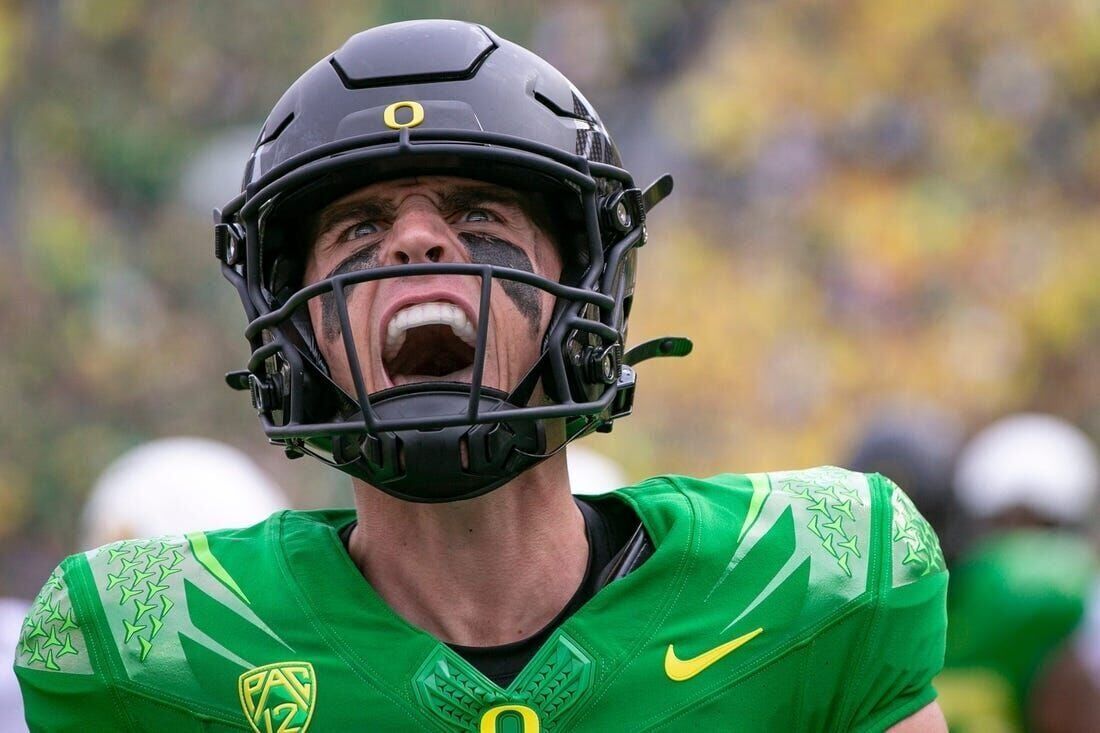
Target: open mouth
x=429 y=342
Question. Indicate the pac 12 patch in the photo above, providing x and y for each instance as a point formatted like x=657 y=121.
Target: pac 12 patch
x=278 y=698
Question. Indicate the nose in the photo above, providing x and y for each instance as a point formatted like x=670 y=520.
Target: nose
x=419 y=236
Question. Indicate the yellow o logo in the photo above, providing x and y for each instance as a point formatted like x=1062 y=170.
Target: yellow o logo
x=528 y=718
x=390 y=115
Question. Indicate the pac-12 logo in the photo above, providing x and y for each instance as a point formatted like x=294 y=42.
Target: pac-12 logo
x=278 y=698
x=510 y=718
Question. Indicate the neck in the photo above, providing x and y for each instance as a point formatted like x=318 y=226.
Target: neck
x=481 y=572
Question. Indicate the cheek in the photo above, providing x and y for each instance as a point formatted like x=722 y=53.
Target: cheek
x=548 y=264
x=313 y=266
x=326 y=335
x=548 y=303
x=325 y=318
x=330 y=341
x=315 y=318
x=548 y=260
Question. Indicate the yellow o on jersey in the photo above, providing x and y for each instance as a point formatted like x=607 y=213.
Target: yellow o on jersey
x=529 y=719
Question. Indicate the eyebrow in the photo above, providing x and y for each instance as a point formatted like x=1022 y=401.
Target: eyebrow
x=364 y=210
x=454 y=200
x=471 y=197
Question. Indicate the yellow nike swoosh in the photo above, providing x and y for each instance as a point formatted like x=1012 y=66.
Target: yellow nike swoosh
x=679 y=670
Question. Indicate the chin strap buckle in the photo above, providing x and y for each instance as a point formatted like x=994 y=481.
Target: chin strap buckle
x=623 y=404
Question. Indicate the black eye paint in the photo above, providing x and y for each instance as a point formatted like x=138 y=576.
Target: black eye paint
x=363 y=259
x=486 y=249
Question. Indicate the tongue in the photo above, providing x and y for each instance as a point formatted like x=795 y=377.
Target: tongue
x=432 y=351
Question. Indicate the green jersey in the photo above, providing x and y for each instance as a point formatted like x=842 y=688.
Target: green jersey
x=810 y=600
x=1015 y=599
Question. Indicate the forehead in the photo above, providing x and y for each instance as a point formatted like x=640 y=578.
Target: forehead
x=435 y=188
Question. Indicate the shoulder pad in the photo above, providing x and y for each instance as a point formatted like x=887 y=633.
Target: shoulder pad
x=914 y=545
x=169 y=599
x=831 y=508
x=802 y=550
x=52 y=639
x=810 y=528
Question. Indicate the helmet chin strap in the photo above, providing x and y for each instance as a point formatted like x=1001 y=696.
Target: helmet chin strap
x=446 y=464
x=454 y=463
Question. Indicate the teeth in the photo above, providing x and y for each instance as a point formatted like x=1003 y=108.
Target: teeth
x=427 y=314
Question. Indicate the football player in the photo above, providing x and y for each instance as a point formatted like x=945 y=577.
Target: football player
x=435 y=246
x=1031 y=482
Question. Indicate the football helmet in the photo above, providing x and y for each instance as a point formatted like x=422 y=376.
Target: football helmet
x=171 y=486
x=1034 y=461
x=436 y=97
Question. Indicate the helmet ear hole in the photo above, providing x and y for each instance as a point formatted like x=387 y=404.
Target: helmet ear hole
x=591 y=365
x=464 y=452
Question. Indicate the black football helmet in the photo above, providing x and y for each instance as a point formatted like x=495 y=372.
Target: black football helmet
x=436 y=97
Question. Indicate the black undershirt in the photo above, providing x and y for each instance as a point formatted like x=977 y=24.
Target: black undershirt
x=609 y=526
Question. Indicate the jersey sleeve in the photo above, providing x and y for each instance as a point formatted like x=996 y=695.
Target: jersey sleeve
x=63 y=688
x=907 y=624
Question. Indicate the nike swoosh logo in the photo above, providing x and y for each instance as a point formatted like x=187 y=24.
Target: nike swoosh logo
x=679 y=670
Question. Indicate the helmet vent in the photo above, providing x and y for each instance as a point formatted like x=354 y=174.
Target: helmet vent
x=277 y=131
x=549 y=104
x=433 y=51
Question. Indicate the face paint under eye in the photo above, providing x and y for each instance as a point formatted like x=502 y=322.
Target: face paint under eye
x=485 y=249
x=363 y=259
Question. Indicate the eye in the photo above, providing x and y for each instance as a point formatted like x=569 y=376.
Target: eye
x=474 y=216
x=362 y=229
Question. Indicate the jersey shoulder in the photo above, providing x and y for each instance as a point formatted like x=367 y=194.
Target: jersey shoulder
x=175 y=619
x=52 y=639
x=823 y=539
x=821 y=536
x=915 y=549
x=822 y=516
x=798 y=567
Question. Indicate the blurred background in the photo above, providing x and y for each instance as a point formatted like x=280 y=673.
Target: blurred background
x=886 y=213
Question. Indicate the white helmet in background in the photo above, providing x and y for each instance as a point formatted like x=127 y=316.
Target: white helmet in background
x=591 y=472
x=1038 y=462
x=177 y=485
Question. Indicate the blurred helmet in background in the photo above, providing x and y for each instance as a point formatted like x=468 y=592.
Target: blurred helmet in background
x=914 y=445
x=177 y=485
x=591 y=472
x=1037 y=463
